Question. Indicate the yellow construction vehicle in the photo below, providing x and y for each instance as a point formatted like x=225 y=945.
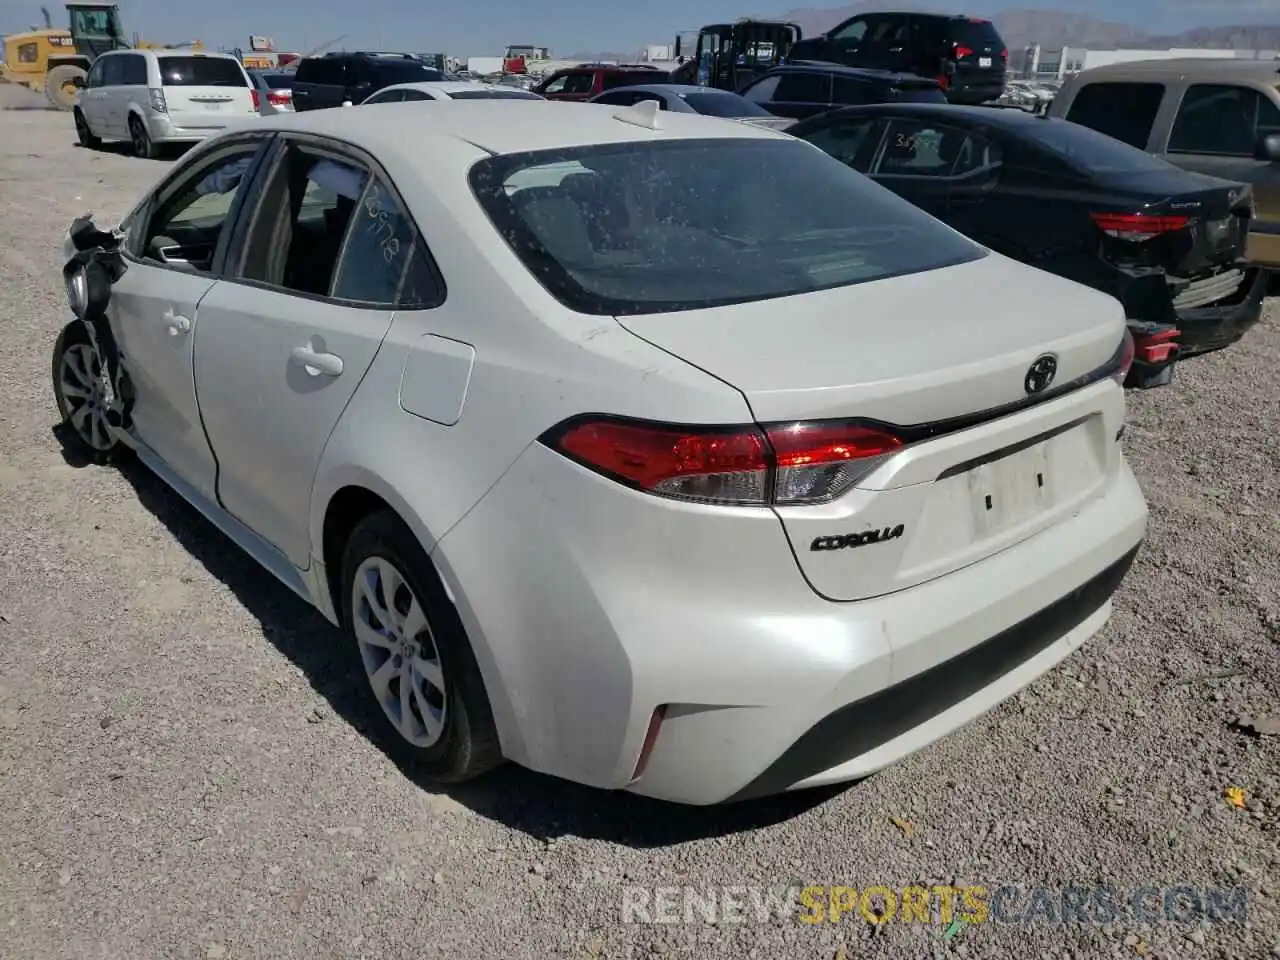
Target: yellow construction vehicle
x=50 y=61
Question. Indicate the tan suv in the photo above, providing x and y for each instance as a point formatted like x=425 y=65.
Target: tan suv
x=1214 y=116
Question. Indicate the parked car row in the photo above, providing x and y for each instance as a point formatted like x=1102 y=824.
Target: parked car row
x=651 y=450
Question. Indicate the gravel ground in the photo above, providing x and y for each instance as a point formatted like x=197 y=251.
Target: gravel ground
x=183 y=771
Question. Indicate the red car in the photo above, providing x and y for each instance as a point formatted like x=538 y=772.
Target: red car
x=587 y=80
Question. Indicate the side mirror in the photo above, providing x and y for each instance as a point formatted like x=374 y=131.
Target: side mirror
x=1268 y=149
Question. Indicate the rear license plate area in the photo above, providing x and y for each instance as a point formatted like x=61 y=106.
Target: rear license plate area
x=1007 y=492
x=984 y=61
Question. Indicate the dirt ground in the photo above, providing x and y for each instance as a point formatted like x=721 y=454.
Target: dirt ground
x=185 y=771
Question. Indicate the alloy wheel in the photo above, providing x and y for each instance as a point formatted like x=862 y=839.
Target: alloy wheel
x=399 y=652
x=84 y=396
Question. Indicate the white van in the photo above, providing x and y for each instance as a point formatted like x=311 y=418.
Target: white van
x=155 y=97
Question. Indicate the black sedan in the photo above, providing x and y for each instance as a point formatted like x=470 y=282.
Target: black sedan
x=1167 y=243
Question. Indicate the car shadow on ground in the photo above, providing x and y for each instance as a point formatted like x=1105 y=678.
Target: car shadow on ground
x=542 y=807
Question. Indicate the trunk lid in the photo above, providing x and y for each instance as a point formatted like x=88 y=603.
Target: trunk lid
x=204 y=92
x=1187 y=224
x=934 y=352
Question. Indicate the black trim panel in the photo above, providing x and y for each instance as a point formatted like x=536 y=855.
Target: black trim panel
x=864 y=725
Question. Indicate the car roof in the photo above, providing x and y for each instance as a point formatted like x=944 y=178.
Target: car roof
x=173 y=52
x=1198 y=67
x=857 y=73
x=1005 y=118
x=443 y=86
x=496 y=126
x=674 y=89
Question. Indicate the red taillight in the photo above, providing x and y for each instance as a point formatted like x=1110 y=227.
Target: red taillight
x=257 y=103
x=1125 y=358
x=784 y=464
x=962 y=52
x=277 y=99
x=1004 y=54
x=943 y=81
x=1137 y=227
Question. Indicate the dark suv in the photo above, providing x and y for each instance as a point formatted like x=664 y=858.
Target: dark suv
x=334 y=78
x=964 y=54
x=587 y=80
x=805 y=90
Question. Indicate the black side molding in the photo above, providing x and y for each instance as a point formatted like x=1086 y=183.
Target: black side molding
x=866 y=724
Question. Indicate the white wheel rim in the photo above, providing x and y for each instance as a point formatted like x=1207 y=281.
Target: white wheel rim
x=82 y=389
x=399 y=652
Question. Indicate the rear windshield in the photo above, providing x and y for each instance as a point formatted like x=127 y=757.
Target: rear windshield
x=1092 y=152
x=278 y=81
x=494 y=95
x=655 y=227
x=621 y=78
x=724 y=105
x=922 y=94
x=201 y=72
x=976 y=34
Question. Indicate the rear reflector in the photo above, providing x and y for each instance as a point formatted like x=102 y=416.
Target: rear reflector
x=1124 y=358
x=650 y=740
x=1137 y=227
x=257 y=102
x=784 y=464
x=277 y=99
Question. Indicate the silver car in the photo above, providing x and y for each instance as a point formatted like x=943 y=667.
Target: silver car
x=272 y=91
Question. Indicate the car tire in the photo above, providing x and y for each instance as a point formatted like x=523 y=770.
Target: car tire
x=84 y=134
x=60 y=85
x=441 y=726
x=140 y=139
x=81 y=405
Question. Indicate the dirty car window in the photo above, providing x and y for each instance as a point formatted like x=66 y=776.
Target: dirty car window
x=679 y=225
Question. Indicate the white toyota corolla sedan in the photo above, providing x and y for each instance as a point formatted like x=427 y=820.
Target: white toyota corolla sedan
x=652 y=451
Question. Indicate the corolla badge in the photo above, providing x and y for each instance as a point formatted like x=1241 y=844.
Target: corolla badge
x=1041 y=374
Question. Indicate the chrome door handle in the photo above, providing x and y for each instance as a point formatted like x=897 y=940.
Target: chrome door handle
x=317 y=364
x=178 y=324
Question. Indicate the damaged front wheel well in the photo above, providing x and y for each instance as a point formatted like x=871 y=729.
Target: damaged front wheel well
x=347 y=508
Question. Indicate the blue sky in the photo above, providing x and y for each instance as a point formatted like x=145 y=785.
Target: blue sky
x=567 y=26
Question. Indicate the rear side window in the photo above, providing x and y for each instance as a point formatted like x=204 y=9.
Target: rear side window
x=845 y=90
x=404 y=71
x=656 y=227
x=135 y=70
x=852 y=142
x=201 y=72
x=804 y=88
x=1126 y=111
x=763 y=92
x=321 y=70
x=1088 y=151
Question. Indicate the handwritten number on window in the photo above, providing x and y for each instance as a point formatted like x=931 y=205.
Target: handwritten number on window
x=380 y=224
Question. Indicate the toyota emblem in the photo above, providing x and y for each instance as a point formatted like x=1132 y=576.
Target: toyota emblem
x=1041 y=374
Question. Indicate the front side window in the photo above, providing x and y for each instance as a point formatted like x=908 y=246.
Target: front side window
x=1125 y=111
x=113 y=71
x=647 y=227
x=94 y=78
x=193 y=71
x=852 y=32
x=28 y=53
x=1222 y=119
x=187 y=225
x=557 y=84
x=576 y=83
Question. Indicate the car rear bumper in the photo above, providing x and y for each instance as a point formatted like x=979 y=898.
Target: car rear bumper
x=975 y=91
x=1223 y=323
x=163 y=129
x=591 y=607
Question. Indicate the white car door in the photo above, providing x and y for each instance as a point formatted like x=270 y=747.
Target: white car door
x=170 y=268
x=285 y=339
x=98 y=103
